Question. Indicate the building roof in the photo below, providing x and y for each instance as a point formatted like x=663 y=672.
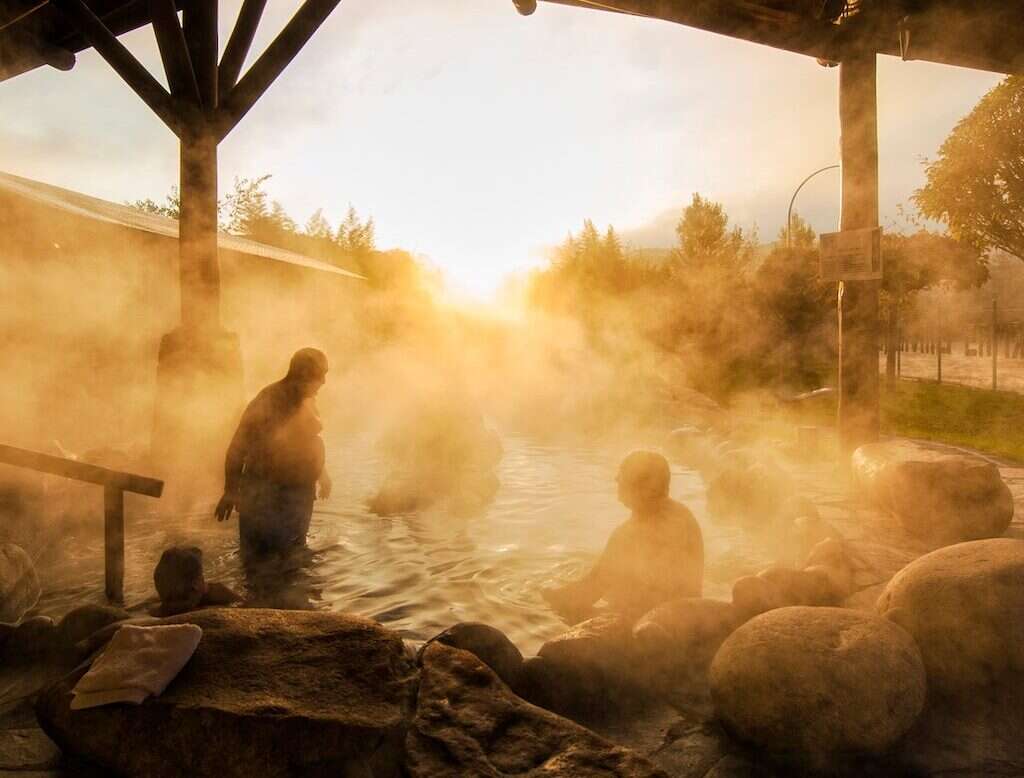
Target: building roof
x=981 y=34
x=126 y=216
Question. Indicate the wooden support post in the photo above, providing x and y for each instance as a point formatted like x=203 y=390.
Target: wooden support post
x=891 y=345
x=995 y=341
x=120 y=59
x=173 y=52
x=272 y=62
x=858 y=300
x=197 y=226
x=113 y=534
x=238 y=44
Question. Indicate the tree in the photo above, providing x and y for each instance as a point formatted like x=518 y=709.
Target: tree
x=801 y=234
x=706 y=242
x=171 y=207
x=976 y=185
x=318 y=227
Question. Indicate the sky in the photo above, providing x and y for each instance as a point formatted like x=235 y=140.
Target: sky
x=478 y=138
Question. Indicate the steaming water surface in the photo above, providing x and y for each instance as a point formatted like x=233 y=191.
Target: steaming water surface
x=423 y=572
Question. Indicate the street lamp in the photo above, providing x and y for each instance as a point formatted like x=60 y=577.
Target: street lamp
x=789 y=215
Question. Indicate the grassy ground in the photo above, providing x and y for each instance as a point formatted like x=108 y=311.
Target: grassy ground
x=977 y=418
x=981 y=419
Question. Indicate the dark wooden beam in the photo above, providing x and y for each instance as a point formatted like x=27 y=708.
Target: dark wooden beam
x=173 y=51
x=200 y=28
x=272 y=62
x=238 y=44
x=80 y=471
x=121 y=60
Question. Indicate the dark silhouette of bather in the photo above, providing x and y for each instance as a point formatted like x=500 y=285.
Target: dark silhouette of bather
x=657 y=555
x=276 y=460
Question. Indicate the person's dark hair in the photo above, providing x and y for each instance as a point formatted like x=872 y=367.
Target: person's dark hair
x=307 y=364
x=646 y=473
x=178 y=578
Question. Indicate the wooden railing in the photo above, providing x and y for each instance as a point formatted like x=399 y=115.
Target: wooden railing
x=114 y=484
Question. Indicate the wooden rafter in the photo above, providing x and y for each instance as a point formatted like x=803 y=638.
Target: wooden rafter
x=173 y=52
x=272 y=62
x=121 y=60
x=200 y=29
x=239 y=43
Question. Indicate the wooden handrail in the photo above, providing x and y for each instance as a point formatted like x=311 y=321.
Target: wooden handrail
x=114 y=483
x=80 y=471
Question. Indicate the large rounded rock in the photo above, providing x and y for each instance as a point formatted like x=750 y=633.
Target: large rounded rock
x=679 y=638
x=815 y=684
x=19 y=586
x=964 y=605
x=468 y=723
x=941 y=499
x=267 y=693
x=83 y=621
x=488 y=644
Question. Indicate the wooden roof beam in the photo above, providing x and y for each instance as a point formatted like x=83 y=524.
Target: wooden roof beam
x=239 y=43
x=121 y=60
x=272 y=62
x=173 y=52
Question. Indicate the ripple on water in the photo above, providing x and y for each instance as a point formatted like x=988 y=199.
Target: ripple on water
x=417 y=573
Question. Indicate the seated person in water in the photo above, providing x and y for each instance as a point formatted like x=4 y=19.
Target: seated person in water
x=276 y=460
x=655 y=556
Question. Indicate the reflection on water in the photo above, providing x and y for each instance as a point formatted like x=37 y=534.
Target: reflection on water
x=418 y=573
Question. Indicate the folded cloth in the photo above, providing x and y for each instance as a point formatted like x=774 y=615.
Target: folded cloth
x=137 y=662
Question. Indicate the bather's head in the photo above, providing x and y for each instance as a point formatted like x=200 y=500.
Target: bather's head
x=643 y=480
x=179 y=580
x=308 y=369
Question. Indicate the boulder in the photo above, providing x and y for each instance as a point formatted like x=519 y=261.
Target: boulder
x=691 y=448
x=815 y=684
x=594 y=664
x=602 y=644
x=964 y=605
x=469 y=723
x=80 y=623
x=753 y=595
x=677 y=640
x=268 y=693
x=33 y=640
x=486 y=643
x=942 y=499
x=19 y=586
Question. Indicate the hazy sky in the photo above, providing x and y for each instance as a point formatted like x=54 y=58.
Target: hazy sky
x=477 y=137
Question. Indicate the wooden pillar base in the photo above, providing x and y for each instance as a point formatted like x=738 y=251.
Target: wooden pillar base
x=199 y=398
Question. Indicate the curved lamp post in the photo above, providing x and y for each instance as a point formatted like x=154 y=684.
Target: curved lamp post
x=789 y=214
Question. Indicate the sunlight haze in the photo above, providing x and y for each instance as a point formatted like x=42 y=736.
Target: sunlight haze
x=476 y=138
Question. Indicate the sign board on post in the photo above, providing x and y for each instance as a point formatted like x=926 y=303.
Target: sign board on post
x=851 y=255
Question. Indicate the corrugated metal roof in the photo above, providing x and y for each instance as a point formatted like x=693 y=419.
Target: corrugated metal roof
x=126 y=216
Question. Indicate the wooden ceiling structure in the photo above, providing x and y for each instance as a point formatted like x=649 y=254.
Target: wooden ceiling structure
x=980 y=34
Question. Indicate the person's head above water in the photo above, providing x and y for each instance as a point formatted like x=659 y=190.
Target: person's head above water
x=308 y=369
x=643 y=479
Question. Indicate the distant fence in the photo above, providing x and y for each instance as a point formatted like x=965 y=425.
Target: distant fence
x=987 y=353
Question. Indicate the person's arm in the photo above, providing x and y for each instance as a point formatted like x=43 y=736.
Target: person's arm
x=234 y=463
x=577 y=596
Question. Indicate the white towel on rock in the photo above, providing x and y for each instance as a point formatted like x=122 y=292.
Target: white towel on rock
x=137 y=662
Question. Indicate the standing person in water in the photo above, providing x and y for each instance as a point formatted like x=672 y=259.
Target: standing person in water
x=275 y=461
x=657 y=555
